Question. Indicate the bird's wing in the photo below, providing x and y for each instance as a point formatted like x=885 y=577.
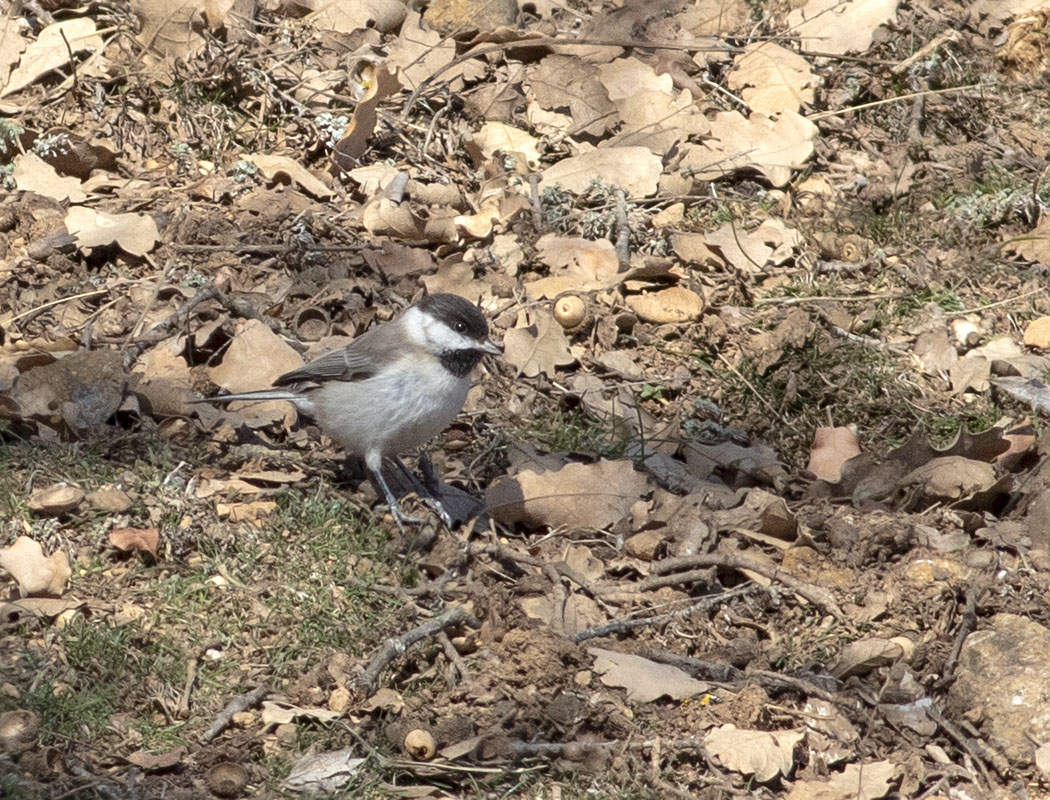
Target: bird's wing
x=358 y=360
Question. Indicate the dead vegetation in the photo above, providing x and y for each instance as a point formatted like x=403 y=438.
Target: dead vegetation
x=765 y=511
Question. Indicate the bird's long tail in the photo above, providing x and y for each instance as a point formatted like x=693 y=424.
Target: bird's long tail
x=254 y=397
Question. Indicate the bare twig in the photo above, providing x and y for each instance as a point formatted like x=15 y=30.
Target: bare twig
x=396 y=646
x=241 y=702
x=665 y=573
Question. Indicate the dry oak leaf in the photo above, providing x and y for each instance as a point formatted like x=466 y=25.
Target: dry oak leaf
x=770 y=244
x=171 y=28
x=58 y=499
x=644 y=680
x=676 y=304
x=133 y=233
x=379 y=83
x=52 y=50
x=772 y=146
x=144 y=540
x=576 y=264
x=562 y=82
x=1034 y=245
x=951 y=478
x=636 y=170
x=497 y=137
x=346 y=17
x=857 y=782
x=33 y=174
x=538 y=344
x=764 y=754
x=276 y=167
x=12 y=45
x=832 y=447
x=773 y=78
x=840 y=26
x=255 y=357
x=1037 y=333
x=419 y=53
x=34 y=572
x=592 y=496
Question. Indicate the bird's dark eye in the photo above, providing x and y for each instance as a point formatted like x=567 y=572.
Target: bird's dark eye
x=461 y=327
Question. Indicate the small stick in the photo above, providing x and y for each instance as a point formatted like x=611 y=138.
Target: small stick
x=241 y=702
x=661 y=577
x=396 y=646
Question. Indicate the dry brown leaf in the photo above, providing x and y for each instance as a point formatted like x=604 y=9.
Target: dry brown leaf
x=578 y=613
x=34 y=572
x=33 y=174
x=935 y=352
x=772 y=146
x=379 y=83
x=773 y=78
x=79 y=392
x=58 y=499
x=868 y=781
x=592 y=496
x=566 y=83
x=256 y=356
x=644 y=680
x=51 y=50
x=636 y=170
x=497 y=137
x=538 y=344
x=419 y=53
x=382 y=15
x=143 y=540
x=1037 y=333
x=577 y=265
x=764 y=754
x=832 y=447
x=951 y=478
x=676 y=304
x=1034 y=245
x=275 y=712
x=840 y=26
x=861 y=656
x=770 y=244
x=157 y=761
x=276 y=167
x=133 y=233
x=12 y=45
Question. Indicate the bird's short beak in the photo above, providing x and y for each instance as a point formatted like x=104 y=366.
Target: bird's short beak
x=491 y=347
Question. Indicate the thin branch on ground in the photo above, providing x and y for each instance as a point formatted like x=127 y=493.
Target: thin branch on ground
x=242 y=702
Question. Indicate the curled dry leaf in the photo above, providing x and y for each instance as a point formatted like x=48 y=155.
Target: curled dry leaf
x=576 y=496
x=676 y=304
x=764 y=754
x=772 y=146
x=832 y=447
x=644 y=680
x=282 y=167
x=52 y=50
x=33 y=174
x=144 y=540
x=58 y=499
x=840 y=26
x=537 y=345
x=636 y=170
x=34 y=572
x=133 y=233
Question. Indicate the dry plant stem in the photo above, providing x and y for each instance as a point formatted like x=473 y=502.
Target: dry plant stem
x=661 y=577
x=453 y=657
x=241 y=702
x=702 y=604
x=182 y=709
x=623 y=232
x=396 y=646
x=978 y=752
x=967 y=625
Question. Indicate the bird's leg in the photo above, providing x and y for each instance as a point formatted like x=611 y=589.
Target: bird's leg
x=391 y=501
x=429 y=488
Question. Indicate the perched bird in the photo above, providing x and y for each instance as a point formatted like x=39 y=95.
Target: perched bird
x=393 y=388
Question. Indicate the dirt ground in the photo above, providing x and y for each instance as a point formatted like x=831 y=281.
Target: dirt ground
x=754 y=503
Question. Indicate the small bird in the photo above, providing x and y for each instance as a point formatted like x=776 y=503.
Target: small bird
x=394 y=387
